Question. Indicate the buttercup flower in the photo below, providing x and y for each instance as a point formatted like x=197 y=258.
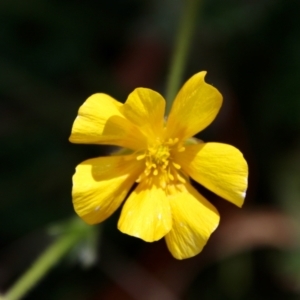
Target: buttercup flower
x=159 y=155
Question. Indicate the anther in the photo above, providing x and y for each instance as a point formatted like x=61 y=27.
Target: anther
x=181 y=179
x=177 y=166
x=171 y=176
x=140 y=157
x=147 y=171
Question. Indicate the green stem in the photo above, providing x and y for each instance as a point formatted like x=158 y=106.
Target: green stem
x=182 y=44
x=51 y=256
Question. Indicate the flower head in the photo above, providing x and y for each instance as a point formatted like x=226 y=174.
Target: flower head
x=160 y=155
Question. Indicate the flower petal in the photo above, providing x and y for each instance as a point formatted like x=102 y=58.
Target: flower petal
x=221 y=168
x=101 y=184
x=100 y=121
x=146 y=213
x=194 y=108
x=194 y=220
x=120 y=132
x=145 y=108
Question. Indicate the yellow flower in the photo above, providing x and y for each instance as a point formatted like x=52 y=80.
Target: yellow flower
x=159 y=155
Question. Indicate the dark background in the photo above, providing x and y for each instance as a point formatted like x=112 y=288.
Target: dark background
x=56 y=53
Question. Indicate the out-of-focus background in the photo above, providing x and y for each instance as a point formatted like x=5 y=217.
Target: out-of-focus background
x=56 y=53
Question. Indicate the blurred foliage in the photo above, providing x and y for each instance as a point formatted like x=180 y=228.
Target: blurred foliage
x=54 y=54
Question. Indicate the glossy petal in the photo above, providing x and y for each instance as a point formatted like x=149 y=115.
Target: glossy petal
x=100 y=121
x=194 y=220
x=145 y=108
x=120 y=132
x=194 y=108
x=221 y=168
x=101 y=184
x=146 y=213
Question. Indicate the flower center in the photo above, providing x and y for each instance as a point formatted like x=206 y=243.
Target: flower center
x=158 y=158
x=159 y=164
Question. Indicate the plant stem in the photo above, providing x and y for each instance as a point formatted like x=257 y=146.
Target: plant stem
x=182 y=45
x=48 y=259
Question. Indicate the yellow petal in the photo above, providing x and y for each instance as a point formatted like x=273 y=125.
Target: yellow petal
x=145 y=108
x=92 y=117
x=146 y=213
x=100 y=121
x=194 y=108
x=194 y=220
x=221 y=168
x=101 y=184
x=120 y=132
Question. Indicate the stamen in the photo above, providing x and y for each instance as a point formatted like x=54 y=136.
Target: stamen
x=181 y=179
x=159 y=163
x=171 y=176
x=177 y=166
x=140 y=157
x=163 y=184
x=147 y=171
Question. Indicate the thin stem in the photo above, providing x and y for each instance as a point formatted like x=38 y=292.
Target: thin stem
x=48 y=259
x=182 y=45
